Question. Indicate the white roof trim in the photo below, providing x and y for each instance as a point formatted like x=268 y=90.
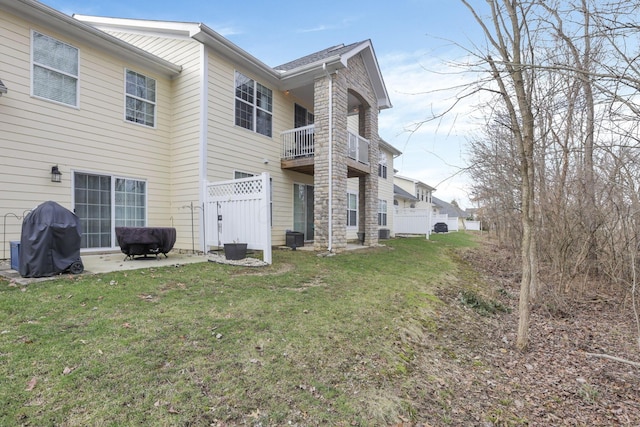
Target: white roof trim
x=48 y=17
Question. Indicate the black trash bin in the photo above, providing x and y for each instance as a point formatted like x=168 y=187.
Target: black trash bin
x=50 y=242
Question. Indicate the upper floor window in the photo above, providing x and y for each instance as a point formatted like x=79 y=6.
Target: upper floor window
x=254 y=105
x=140 y=99
x=382 y=165
x=302 y=117
x=352 y=210
x=55 y=70
x=382 y=212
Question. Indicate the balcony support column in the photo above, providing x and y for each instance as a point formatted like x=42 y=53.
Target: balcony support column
x=330 y=98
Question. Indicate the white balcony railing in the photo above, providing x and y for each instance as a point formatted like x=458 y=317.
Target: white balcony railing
x=358 y=148
x=298 y=142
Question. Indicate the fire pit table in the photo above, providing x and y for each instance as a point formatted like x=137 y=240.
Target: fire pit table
x=145 y=241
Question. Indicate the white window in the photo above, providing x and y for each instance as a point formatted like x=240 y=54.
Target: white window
x=130 y=202
x=352 y=210
x=240 y=175
x=382 y=212
x=54 y=70
x=382 y=165
x=140 y=99
x=254 y=105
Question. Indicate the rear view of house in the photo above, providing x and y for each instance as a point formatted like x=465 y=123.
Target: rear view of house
x=135 y=117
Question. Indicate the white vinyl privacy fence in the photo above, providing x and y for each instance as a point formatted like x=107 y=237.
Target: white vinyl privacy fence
x=473 y=225
x=412 y=221
x=451 y=221
x=239 y=211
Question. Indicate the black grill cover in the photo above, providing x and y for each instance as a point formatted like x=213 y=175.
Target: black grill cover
x=50 y=241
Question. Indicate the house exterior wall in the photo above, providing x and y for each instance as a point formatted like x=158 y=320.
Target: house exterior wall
x=185 y=131
x=385 y=190
x=36 y=134
x=229 y=148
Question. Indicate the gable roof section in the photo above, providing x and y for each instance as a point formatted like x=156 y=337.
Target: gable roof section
x=317 y=57
x=448 y=208
x=287 y=76
x=415 y=182
x=390 y=148
x=185 y=30
x=37 y=12
x=335 y=58
x=3 y=88
x=402 y=194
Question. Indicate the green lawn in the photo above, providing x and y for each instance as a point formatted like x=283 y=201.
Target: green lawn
x=309 y=340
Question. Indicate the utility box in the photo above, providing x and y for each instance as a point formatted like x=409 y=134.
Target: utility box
x=294 y=239
x=384 y=234
x=15 y=255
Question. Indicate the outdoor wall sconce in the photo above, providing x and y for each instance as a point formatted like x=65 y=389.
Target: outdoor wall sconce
x=56 y=175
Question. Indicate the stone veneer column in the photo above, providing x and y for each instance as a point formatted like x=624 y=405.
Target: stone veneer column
x=338 y=216
x=369 y=129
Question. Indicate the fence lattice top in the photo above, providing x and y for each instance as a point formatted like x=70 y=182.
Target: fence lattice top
x=250 y=186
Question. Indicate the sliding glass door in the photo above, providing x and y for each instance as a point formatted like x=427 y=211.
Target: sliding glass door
x=103 y=202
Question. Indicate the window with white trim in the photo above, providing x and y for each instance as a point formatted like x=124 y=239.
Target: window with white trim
x=254 y=105
x=103 y=202
x=240 y=174
x=352 y=210
x=55 y=70
x=382 y=165
x=130 y=202
x=140 y=99
x=382 y=212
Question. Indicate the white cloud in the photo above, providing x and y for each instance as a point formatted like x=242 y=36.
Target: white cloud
x=422 y=87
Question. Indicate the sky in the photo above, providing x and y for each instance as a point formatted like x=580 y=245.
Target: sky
x=414 y=41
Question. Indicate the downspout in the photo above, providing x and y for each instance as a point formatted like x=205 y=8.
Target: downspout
x=330 y=230
x=203 y=141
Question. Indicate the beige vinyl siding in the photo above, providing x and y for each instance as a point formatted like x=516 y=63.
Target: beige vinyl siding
x=385 y=189
x=234 y=148
x=94 y=138
x=185 y=129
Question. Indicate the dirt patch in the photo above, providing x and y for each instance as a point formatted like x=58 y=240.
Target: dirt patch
x=468 y=371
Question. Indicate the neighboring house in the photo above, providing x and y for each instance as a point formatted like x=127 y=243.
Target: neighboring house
x=441 y=207
x=421 y=191
x=402 y=199
x=137 y=115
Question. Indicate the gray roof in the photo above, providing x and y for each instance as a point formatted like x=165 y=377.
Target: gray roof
x=399 y=192
x=3 y=88
x=317 y=56
x=448 y=208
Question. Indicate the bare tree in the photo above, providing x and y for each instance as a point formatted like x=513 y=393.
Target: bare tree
x=507 y=32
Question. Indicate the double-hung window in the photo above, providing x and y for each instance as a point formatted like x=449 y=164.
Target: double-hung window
x=54 y=70
x=352 y=210
x=382 y=212
x=140 y=99
x=382 y=165
x=254 y=105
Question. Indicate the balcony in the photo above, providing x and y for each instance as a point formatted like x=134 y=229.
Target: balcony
x=298 y=150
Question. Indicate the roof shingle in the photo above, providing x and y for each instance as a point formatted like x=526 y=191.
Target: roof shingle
x=317 y=56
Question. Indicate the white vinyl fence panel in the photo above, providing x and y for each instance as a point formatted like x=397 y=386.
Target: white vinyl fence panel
x=472 y=225
x=411 y=221
x=239 y=211
x=451 y=221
